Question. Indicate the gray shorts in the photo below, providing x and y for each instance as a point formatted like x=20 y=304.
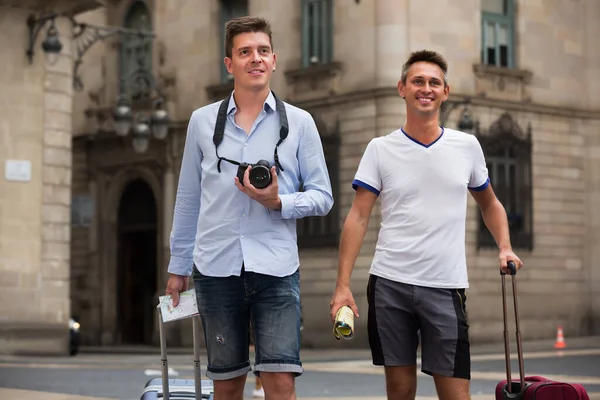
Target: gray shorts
x=398 y=311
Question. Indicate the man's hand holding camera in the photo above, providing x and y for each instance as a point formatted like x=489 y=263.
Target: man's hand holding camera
x=268 y=196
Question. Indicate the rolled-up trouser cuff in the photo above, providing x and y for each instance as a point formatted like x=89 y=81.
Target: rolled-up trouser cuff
x=297 y=370
x=222 y=376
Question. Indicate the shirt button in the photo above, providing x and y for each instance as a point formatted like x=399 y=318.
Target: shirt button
x=242 y=236
x=245 y=144
x=243 y=215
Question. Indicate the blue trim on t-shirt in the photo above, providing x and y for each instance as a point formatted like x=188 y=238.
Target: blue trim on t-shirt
x=356 y=183
x=482 y=187
x=422 y=144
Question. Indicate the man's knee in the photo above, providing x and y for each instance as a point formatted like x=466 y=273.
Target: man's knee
x=449 y=388
x=230 y=389
x=401 y=382
x=278 y=383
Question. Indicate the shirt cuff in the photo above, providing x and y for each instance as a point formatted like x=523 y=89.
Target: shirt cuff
x=287 y=206
x=180 y=266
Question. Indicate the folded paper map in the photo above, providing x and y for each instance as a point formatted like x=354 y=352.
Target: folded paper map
x=186 y=308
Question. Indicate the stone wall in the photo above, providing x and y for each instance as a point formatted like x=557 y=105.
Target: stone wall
x=35 y=215
x=56 y=201
x=591 y=243
x=553 y=286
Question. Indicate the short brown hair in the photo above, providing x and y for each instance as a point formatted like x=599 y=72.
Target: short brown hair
x=425 y=56
x=245 y=25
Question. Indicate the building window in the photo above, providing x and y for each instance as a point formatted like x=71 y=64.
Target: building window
x=508 y=155
x=324 y=231
x=230 y=9
x=317 y=32
x=497 y=33
x=136 y=53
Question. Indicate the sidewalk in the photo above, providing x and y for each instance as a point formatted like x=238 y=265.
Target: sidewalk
x=340 y=353
x=34 y=395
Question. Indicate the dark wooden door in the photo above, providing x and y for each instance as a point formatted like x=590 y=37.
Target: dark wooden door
x=137 y=269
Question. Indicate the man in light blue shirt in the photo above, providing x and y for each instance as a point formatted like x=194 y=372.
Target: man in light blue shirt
x=239 y=241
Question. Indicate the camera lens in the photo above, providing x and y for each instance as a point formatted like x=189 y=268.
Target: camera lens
x=260 y=176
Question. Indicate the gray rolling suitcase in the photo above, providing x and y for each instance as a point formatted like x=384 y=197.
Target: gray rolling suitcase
x=178 y=389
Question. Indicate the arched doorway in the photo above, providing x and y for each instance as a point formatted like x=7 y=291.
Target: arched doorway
x=137 y=263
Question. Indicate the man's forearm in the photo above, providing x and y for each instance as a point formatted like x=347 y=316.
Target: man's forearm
x=353 y=234
x=494 y=217
x=187 y=205
x=183 y=232
x=306 y=204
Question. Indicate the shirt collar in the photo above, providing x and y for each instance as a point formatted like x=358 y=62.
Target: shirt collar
x=269 y=103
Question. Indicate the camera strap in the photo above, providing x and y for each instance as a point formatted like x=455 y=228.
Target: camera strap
x=220 y=130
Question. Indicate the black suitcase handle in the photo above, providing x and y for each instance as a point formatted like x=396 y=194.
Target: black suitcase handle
x=512 y=271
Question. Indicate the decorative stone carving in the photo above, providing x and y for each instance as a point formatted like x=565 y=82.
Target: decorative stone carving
x=315 y=81
x=506 y=126
x=502 y=83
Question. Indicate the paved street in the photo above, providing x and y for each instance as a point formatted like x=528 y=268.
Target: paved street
x=332 y=374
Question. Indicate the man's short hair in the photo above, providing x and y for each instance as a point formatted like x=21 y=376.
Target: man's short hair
x=425 y=56
x=246 y=24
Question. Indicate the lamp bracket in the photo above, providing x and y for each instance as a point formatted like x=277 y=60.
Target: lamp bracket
x=86 y=35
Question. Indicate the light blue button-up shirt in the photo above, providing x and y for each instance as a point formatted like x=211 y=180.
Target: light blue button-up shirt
x=215 y=225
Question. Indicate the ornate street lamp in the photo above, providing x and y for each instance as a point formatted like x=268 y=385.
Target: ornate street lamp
x=141 y=134
x=140 y=81
x=160 y=120
x=51 y=44
x=142 y=126
x=122 y=116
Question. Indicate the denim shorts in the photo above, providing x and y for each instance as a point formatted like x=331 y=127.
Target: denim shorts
x=228 y=305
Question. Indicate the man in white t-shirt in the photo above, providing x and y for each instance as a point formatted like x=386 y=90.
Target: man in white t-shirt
x=418 y=277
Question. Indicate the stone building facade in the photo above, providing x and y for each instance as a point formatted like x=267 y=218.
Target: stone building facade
x=523 y=70
x=35 y=189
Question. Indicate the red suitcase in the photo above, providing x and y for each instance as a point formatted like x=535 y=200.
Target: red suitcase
x=530 y=387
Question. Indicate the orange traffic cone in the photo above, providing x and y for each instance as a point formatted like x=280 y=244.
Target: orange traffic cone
x=560 y=339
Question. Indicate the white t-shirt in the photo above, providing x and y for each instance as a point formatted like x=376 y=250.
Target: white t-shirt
x=423 y=193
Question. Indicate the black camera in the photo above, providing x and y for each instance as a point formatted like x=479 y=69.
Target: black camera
x=260 y=174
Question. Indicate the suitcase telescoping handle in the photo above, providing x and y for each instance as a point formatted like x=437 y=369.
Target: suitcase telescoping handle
x=164 y=362
x=512 y=270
